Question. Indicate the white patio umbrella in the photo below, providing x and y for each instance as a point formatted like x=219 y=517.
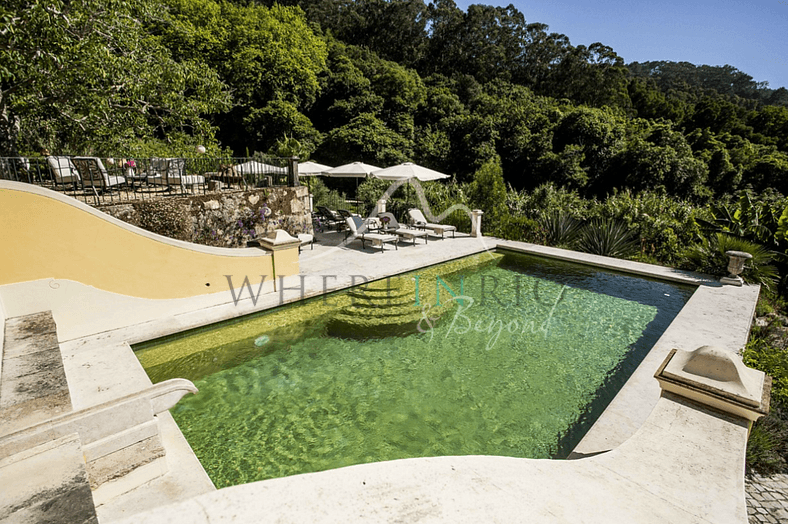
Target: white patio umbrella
x=352 y=170
x=310 y=168
x=407 y=171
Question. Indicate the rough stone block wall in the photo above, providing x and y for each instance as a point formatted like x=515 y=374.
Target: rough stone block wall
x=223 y=219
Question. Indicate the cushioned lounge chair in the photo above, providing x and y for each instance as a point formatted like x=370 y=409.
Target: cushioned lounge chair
x=171 y=172
x=344 y=213
x=418 y=220
x=94 y=174
x=64 y=172
x=406 y=233
x=358 y=230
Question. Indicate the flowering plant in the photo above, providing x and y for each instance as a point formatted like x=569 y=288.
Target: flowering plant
x=129 y=163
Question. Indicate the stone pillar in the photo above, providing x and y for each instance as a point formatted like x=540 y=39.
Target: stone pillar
x=292 y=171
x=476 y=223
x=381 y=206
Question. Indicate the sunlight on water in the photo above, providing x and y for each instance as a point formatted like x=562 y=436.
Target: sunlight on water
x=508 y=370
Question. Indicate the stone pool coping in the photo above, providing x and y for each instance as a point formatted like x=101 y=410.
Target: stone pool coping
x=100 y=364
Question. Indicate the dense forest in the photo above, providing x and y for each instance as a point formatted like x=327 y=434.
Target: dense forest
x=381 y=81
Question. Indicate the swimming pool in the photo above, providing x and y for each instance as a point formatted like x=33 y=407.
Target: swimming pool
x=526 y=354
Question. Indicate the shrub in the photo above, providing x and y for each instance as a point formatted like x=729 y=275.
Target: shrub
x=606 y=237
x=547 y=198
x=559 y=229
x=518 y=228
x=664 y=225
x=760 y=354
x=322 y=196
x=767 y=447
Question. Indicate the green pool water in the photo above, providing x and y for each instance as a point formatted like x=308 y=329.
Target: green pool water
x=519 y=367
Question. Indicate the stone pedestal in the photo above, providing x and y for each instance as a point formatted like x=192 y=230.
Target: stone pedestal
x=476 y=223
x=735 y=267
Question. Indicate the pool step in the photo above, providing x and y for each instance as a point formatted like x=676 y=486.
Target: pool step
x=47 y=483
x=106 y=449
x=33 y=385
x=382 y=309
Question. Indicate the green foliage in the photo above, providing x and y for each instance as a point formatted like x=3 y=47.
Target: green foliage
x=487 y=191
x=547 y=198
x=519 y=228
x=767 y=446
x=773 y=361
x=665 y=226
x=367 y=139
x=559 y=229
x=743 y=219
x=607 y=237
x=88 y=77
x=323 y=196
x=709 y=257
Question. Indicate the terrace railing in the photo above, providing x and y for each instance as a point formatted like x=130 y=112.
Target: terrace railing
x=101 y=181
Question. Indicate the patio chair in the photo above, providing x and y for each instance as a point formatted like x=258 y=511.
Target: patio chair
x=15 y=168
x=331 y=218
x=228 y=175
x=171 y=172
x=418 y=220
x=306 y=239
x=357 y=229
x=392 y=226
x=94 y=174
x=64 y=172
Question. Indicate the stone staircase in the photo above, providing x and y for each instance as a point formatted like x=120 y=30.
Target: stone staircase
x=47 y=482
x=58 y=464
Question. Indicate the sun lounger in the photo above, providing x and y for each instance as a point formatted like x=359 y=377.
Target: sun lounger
x=331 y=218
x=357 y=229
x=390 y=225
x=418 y=220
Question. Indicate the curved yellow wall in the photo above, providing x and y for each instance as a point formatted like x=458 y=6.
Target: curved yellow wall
x=45 y=235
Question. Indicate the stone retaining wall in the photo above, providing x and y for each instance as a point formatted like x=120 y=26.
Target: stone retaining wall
x=222 y=219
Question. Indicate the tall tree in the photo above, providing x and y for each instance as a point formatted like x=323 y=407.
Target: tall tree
x=269 y=57
x=86 y=76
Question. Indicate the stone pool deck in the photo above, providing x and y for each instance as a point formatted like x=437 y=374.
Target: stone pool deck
x=100 y=365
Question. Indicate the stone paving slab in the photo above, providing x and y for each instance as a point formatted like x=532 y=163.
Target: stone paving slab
x=767 y=499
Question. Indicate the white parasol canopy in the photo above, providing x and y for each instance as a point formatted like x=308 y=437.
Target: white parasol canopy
x=353 y=170
x=407 y=171
x=310 y=168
